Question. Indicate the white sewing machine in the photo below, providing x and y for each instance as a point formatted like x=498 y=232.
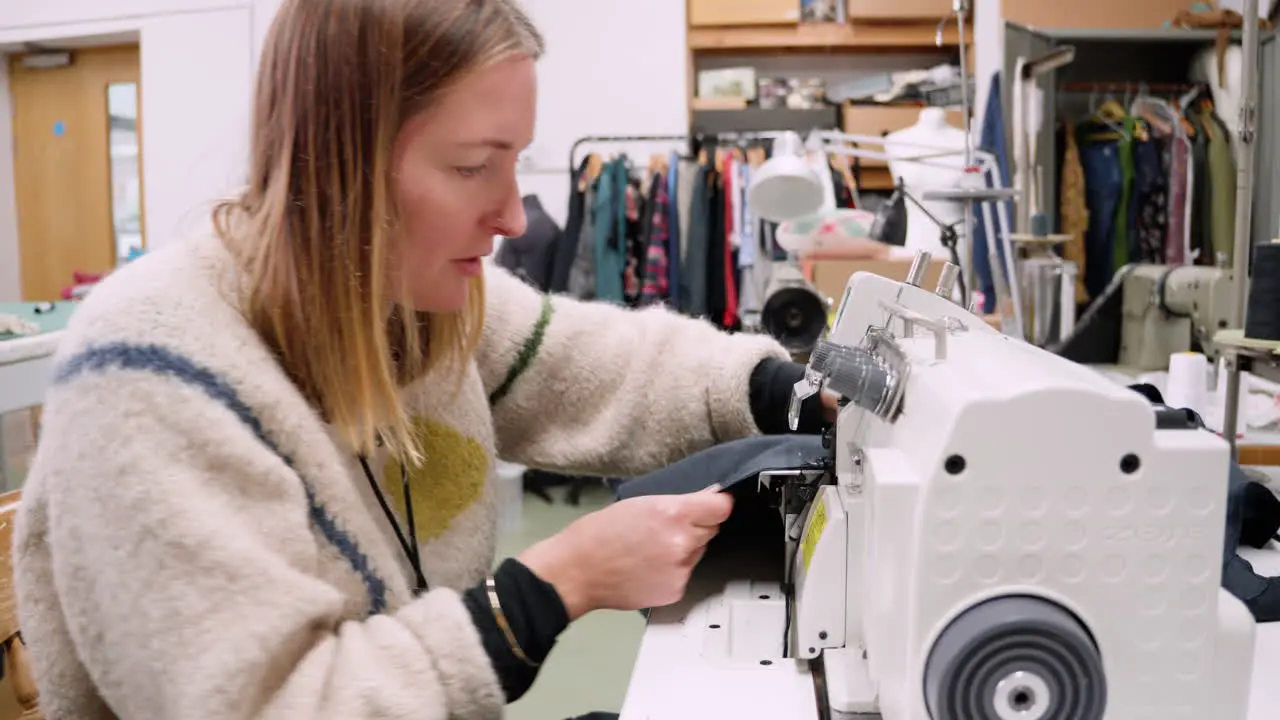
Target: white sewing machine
x=1005 y=535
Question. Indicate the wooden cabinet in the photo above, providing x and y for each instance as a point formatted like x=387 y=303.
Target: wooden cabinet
x=899 y=9
x=880 y=120
x=712 y=13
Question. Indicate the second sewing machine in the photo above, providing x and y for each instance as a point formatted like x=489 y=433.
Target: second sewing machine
x=999 y=534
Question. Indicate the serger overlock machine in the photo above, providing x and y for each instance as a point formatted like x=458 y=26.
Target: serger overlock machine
x=1001 y=534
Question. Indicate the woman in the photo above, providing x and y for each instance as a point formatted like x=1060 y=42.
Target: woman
x=263 y=487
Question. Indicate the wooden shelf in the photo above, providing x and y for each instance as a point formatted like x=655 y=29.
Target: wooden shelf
x=816 y=37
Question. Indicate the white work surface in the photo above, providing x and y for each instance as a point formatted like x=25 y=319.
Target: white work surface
x=26 y=367
x=673 y=680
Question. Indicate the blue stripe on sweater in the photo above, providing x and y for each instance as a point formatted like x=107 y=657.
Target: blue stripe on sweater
x=162 y=361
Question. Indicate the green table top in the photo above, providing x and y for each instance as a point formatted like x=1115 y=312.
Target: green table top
x=51 y=321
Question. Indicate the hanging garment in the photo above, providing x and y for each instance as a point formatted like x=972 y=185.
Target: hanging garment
x=1166 y=124
x=1177 y=249
x=656 y=287
x=686 y=183
x=729 y=318
x=567 y=247
x=673 y=230
x=582 y=275
x=1073 y=210
x=1103 y=187
x=693 y=273
x=993 y=140
x=649 y=190
x=1222 y=177
x=611 y=232
x=717 y=238
x=636 y=241
x=746 y=222
x=1124 y=157
x=748 y=294
x=1201 y=196
x=1151 y=198
x=532 y=255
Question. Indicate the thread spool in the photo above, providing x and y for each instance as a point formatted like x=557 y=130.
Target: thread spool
x=1262 y=313
x=1188 y=381
x=1040 y=225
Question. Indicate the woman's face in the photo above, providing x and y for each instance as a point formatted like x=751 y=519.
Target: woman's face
x=454 y=168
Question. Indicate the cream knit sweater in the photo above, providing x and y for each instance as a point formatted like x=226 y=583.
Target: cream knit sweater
x=195 y=543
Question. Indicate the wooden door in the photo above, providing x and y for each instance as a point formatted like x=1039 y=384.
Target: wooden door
x=63 y=154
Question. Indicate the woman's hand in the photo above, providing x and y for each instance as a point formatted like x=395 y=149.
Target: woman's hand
x=637 y=553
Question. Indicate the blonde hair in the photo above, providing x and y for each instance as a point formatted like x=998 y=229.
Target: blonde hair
x=315 y=227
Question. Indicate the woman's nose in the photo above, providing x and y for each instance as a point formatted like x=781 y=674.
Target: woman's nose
x=511 y=220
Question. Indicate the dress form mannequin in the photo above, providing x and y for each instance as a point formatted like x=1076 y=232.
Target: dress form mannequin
x=932 y=132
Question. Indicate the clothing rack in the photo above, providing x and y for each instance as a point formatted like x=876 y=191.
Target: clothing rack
x=698 y=139
x=1130 y=86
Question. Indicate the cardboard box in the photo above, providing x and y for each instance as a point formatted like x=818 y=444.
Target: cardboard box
x=829 y=277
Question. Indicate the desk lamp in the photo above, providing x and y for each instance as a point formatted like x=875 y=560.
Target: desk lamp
x=786 y=188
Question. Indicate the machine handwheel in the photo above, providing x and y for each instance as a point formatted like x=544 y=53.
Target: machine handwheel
x=1015 y=658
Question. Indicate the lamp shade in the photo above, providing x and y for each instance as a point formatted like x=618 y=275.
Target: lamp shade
x=786 y=186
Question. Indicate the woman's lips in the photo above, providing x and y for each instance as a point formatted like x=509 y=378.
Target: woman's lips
x=469 y=267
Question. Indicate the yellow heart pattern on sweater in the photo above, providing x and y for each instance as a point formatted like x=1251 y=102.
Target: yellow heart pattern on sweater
x=450 y=479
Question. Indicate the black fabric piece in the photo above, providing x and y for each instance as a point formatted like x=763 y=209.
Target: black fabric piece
x=1246 y=517
x=567 y=246
x=770 y=391
x=535 y=614
x=754 y=523
x=1150 y=392
x=729 y=464
x=532 y=256
x=1259 y=515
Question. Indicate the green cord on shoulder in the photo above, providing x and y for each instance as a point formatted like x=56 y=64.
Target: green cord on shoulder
x=528 y=352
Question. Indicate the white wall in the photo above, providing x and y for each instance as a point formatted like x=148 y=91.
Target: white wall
x=197 y=61
x=196 y=68
x=611 y=67
x=620 y=71
x=196 y=93
x=988 y=50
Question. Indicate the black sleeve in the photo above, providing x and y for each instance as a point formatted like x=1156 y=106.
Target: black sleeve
x=770 y=389
x=535 y=614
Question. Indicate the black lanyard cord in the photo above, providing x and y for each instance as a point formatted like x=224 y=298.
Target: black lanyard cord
x=410 y=544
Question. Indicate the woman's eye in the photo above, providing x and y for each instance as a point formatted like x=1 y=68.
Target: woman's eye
x=468 y=171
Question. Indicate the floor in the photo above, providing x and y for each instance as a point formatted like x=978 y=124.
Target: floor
x=591 y=664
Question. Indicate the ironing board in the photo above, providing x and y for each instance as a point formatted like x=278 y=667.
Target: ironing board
x=26 y=361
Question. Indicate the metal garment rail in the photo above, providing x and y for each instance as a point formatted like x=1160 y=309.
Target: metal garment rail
x=717 y=137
